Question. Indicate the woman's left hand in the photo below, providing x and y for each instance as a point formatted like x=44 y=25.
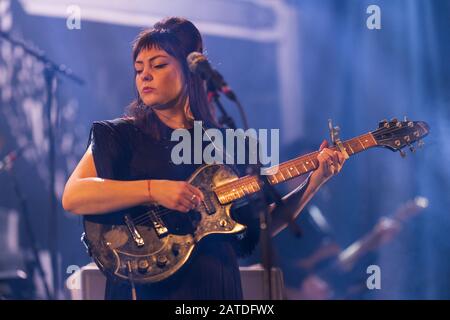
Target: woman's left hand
x=330 y=163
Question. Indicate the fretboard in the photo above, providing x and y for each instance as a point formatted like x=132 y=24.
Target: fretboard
x=246 y=185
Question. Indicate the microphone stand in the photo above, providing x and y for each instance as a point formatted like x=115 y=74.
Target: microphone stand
x=51 y=70
x=36 y=261
x=268 y=191
x=225 y=119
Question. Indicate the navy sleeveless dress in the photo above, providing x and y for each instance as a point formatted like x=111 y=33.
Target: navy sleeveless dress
x=121 y=151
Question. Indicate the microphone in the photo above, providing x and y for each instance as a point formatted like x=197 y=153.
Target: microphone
x=199 y=64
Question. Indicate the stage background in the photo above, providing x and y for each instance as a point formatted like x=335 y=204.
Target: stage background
x=294 y=65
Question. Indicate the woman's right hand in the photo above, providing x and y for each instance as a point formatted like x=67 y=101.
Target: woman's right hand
x=175 y=195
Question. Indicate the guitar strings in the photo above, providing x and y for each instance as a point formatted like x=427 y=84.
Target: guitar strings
x=145 y=218
x=158 y=213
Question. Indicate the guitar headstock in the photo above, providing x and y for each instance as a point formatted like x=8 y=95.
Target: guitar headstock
x=397 y=135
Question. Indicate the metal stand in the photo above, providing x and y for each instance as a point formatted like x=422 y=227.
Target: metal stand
x=51 y=70
x=269 y=193
x=36 y=262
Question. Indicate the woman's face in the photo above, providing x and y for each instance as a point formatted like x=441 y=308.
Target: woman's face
x=159 y=78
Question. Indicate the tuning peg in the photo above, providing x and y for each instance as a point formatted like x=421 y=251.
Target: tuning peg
x=405 y=118
x=411 y=147
x=420 y=144
x=403 y=153
x=394 y=120
x=383 y=123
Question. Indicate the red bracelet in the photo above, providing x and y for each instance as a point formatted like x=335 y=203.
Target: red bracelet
x=149 y=192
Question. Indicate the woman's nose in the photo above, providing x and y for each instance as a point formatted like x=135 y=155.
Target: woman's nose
x=146 y=75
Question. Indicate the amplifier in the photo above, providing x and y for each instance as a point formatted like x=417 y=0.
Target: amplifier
x=88 y=283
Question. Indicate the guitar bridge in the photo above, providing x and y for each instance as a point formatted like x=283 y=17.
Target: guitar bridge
x=134 y=232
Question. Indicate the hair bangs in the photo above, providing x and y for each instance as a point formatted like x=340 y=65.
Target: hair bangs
x=155 y=39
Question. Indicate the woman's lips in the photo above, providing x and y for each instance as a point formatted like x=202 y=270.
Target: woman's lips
x=147 y=90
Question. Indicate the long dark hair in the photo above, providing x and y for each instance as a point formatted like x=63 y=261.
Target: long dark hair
x=178 y=37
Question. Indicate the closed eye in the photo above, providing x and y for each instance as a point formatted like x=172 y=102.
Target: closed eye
x=160 y=66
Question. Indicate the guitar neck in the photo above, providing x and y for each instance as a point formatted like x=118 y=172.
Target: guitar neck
x=246 y=185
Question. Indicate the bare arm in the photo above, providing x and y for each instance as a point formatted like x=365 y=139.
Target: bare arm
x=294 y=202
x=330 y=163
x=86 y=193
